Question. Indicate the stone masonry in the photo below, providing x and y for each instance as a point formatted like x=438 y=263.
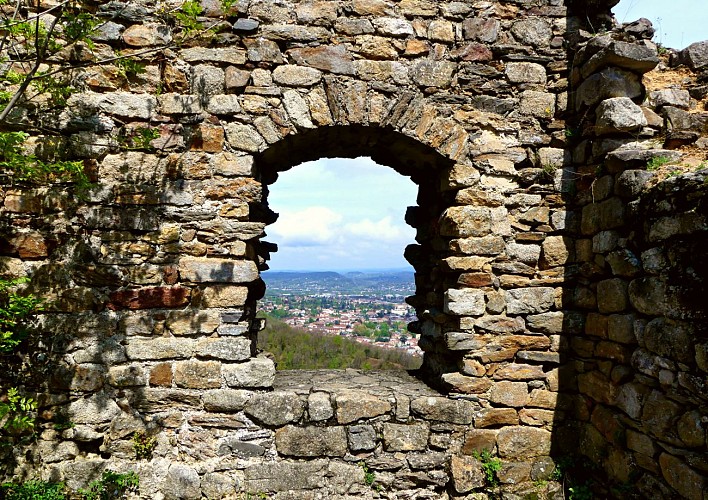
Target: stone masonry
x=558 y=290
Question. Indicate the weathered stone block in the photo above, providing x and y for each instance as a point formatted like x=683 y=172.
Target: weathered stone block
x=311 y=441
x=619 y=114
x=355 y=405
x=507 y=393
x=689 y=483
x=671 y=339
x=244 y=137
x=523 y=72
x=361 y=438
x=465 y=302
x=96 y=409
x=467 y=473
x=529 y=300
x=205 y=270
x=460 y=383
x=159 y=348
x=319 y=406
x=481 y=29
x=403 y=437
x=612 y=296
x=433 y=73
x=179 y=104
x=257 y=372
x=198 y=374
x=275 y=408
x=192 y=321
x=182 y=482
x=523 y=442
x=296 y=76
x=478 y=440
x=147 y=35
x=226 y=349
x=218 y=55
x=126 y=376
x=456 y=411
x=517 y=371
x=495 y=417
x=225 y=400
x=148 y=298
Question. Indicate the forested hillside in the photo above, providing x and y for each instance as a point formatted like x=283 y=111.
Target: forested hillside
x=298 y=349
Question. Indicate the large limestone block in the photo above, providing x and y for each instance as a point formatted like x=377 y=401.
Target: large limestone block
x=198 y=374
x=695 y=56
x=466 y=221
x=311 y=441
x=403 y=437
x=619 y=114
x=523 y=72
x=355 y=405
x=257 y=372
x=455 y=411
x=225 y=400
x=467 y=473
x=529 y=300
x=523 y=442
x=275 y=409
x=465 y=302
x=296 y=76
x=205 y=270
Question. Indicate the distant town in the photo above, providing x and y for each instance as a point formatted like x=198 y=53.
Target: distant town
x=367 y=307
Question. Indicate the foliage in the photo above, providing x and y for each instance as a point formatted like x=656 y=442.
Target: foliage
x=129 y=67
x=16 y=414
x=111 y=485
x=490 y=466
x=297 y=349
x=62 y=424
x=15 y=309
x=26 y=167
x=657 y=162
x=140 y=138
x=16 y=411
x=33 y=490
x=369 y=476
x=143 y=445
x=188 y=17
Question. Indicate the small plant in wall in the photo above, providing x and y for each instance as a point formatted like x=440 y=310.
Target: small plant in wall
x=31 y=490
x=111 y=485
x=657 y=162
x=143 y=445
x=490 y=466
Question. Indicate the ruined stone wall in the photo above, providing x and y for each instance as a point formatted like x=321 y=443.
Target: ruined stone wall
x=640 y=369
x=152 y=279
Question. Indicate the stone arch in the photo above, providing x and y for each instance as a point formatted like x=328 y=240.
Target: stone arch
x=425 y=166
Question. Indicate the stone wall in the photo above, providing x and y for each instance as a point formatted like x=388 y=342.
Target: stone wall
x=639 y=366
x=524 y=256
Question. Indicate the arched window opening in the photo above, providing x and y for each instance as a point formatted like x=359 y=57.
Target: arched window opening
x=336 y=287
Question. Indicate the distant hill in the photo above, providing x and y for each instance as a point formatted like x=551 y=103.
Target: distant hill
x=298 y=349
x=356 y=282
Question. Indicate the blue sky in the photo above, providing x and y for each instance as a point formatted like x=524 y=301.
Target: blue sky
x=338 y=214
x=678 y=23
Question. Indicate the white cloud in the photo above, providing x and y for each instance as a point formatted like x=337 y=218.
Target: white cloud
x=312 y=226
x=340 y=214
x=383 y=229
